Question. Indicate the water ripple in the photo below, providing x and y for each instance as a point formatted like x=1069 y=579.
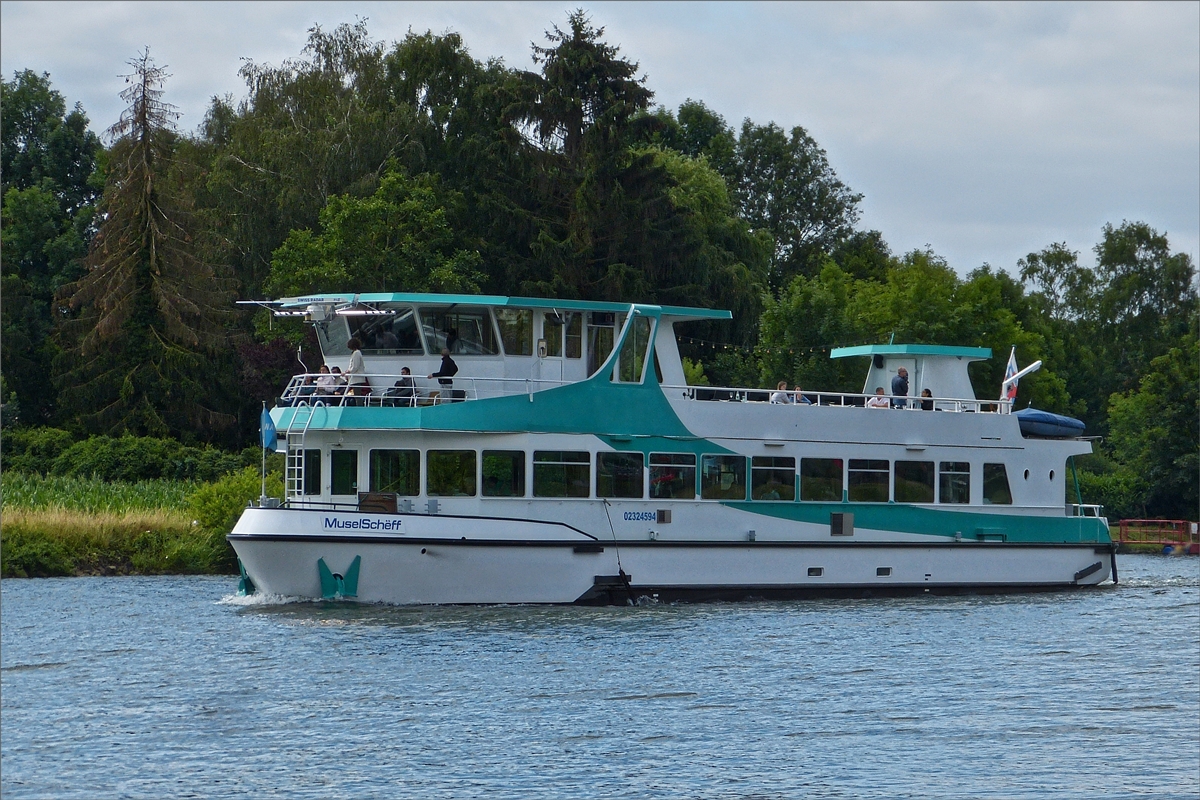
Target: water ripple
x=151 y=687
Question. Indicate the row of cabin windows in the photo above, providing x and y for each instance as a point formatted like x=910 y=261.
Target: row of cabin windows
x=672 y=476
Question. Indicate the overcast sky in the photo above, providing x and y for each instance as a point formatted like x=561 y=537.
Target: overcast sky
x=983 y=130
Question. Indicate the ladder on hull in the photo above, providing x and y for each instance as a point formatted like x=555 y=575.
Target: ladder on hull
x=296 y=431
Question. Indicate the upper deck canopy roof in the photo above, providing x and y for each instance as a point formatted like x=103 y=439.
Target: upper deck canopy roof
x=911 y=350
x=424 y=299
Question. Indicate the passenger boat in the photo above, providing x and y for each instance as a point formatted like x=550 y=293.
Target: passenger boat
x=568 y=461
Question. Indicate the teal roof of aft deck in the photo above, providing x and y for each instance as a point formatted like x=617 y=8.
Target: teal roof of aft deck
x=417 y=298
x=911 y=350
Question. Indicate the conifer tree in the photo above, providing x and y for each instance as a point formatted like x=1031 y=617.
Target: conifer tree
x=145 y=325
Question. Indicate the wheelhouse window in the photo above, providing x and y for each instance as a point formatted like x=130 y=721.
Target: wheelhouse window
x=821 y=479
x=914 y=482
x=503 y=473
x=995 y=485
x=461 y=330
x=632 y=358
x=723 y=478
x=954 y=482
x=868 y=480
x=619 y=475
x=396 y=471
x=516 y=330
x=451 y=473
x=561 y=473
x=312 y=472
x=673 y=476
x=343 y=471
x=392 y=333
x=772 y=478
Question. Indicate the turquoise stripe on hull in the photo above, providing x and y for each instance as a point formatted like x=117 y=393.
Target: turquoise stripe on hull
x=936 y=522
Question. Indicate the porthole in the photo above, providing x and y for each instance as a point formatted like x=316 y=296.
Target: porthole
x=883 y=572
x=1051 y=474
x=815 y=572
x=1026 y=474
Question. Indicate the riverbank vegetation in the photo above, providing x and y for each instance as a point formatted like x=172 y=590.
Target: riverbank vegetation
x=418 y=166
x=68 y=525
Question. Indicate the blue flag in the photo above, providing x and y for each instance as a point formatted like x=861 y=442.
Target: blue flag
x=267 y=426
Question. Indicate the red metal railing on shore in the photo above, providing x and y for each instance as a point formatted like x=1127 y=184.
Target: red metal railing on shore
x=1174 y=532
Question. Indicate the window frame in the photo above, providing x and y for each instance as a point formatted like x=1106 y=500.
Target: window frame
x=429 y=472
x=414 y=457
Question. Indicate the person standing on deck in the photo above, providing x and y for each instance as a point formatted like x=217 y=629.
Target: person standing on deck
x=900 y=389
x=445 y=374
x=355 y=372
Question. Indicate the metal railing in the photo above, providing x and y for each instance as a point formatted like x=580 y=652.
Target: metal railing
x=732 y=394
x=380 y=390
x=1083 y=510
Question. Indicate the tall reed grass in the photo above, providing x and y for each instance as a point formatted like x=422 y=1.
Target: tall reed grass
x=91 y=495
x=85 y=526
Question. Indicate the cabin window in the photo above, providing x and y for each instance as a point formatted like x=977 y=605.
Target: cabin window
x=451 y=473
x=503 y=473
x=388 y=334
x=954 y=482
x=914 y=482
x=995 y=485
x=821 y=479
x=574 y=329
x=516 y=330
x=772 y=478
x=601 y=331
x=312 y=472
x=343 y=469
x=561 y=473
x=673 y=476
x=723 y=478
x=868 y=480
x=619 y=475
x=462 y=330
x=633 y=351
x=552 y=332
x=396 y=471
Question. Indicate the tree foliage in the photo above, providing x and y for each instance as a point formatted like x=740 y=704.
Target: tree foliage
x=415 y=165
x=149 y=324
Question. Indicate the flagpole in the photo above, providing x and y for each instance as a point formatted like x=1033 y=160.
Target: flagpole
x=262 y=438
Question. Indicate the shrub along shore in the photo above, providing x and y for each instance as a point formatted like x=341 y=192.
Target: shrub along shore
x=57 y=526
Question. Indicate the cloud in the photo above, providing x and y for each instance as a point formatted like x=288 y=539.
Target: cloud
x=986 y=130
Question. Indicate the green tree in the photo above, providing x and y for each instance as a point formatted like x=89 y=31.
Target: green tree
x=139 y=355
x=402 y=236
x=49 y=158
x=786 y=185
x=1155 y=433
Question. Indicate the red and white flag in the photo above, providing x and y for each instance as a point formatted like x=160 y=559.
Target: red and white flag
x=1008 y=391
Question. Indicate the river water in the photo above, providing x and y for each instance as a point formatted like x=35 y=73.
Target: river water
x=172 y=687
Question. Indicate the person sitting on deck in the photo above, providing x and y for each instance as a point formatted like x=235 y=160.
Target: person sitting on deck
x=801 y=400
x=781 y=394
x=403 y=392
x=326 y=383
x=879 y=400
x=926 y=405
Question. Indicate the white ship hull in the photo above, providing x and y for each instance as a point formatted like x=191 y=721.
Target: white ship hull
x=417 y=559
